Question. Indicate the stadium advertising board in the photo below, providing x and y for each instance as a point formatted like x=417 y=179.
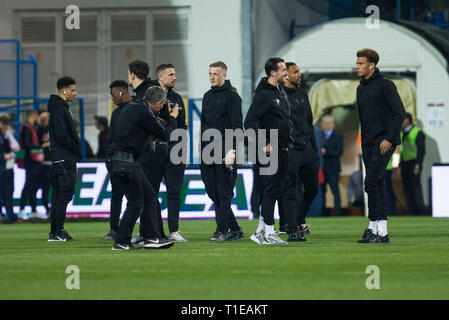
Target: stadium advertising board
x=440 y=199
x=93 y=194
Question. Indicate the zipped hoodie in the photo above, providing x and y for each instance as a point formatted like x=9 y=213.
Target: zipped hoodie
x=301 y=118
x=381 y=110
x=270 y=109
x=221 y=110
x=64 y=141
x=142 y=88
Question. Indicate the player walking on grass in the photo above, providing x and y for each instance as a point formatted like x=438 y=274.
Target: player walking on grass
x=381 y=115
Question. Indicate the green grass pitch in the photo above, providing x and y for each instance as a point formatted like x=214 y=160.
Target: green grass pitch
x=330 y=265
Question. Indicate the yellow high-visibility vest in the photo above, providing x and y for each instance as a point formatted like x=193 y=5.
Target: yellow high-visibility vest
x=409 y=150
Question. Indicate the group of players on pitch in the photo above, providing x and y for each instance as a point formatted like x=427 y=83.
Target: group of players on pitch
x=142 y=151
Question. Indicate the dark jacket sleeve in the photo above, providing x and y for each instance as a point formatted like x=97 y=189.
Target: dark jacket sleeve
x=420 y=144
x=62 y=129
x=202 y=116
x=334 y=149
x=394 y=102
x=310 y=123
x=171 y=124
x=256 y=111
x=235 y=115
x=151 y=125
x=111 y=131
x=181 y=120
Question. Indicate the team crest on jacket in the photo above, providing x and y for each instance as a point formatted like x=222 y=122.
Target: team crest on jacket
x=277 y=102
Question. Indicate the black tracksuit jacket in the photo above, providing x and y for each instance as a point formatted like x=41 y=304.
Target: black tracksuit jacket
x=270 y=109
x=381 y=110
x=301 y=118
x=142 y=88
x=134 y=123
x=221 y=109
x=64 y=141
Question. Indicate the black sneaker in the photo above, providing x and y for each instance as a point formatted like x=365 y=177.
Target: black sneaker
x=296 y=236
x=380 y=239
x=52 y=237
x=368 y=236
x=238 y=234
x=126 y=247
x=233 y=235
x=218 y=236
x=66 y=235
x=158 y=243
x=62 y=236
x=111 y=235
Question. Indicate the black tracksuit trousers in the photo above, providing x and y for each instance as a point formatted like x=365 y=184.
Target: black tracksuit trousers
x=376 y=165
x=157 y=166
x=273 y=186
x=219 y=183
x=257 y=191
x=116 y=199
x=63 y=182
x=303 y=166
x=411 y=184
x=142 y=202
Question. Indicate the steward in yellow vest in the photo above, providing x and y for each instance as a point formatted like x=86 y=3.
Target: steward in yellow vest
x=412 y=156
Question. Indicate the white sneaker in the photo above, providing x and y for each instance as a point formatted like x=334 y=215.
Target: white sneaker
x=273 y=239
x=175 y=236
x=138 y=239
x=258 y=238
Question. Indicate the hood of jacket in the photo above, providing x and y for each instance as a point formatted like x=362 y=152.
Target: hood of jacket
x=375 y=75
x=226 y=86
x=55 y=102
x=143 y=86
x=265 y=85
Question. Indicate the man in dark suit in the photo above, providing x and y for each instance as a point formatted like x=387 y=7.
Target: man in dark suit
x=331 y=149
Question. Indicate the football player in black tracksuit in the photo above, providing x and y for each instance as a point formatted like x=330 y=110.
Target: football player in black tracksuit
x=221 y=110
x=137 y=78
x=303 y=159
x=381 y=115
x=155 y=159
x=134 y=124
x=270 y=110
x=65 y=152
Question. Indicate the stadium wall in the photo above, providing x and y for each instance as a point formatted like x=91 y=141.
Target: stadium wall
x=214 y=33
x=331 y=48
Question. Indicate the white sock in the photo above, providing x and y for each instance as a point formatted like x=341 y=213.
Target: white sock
x=269 y=229
x=373 y=226
x=382 y=226
x=261 y=225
